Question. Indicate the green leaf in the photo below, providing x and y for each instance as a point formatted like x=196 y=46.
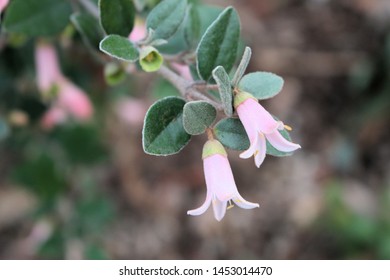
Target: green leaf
x=262 y=85
x=89 y=28
x=231 y=133
x=274 y=152
x=119 y=47
x=163 y=132
x=218 y=46
x=117 y=16
x=198 y=116
x=82 y=144
x=192 y=27
x=166 y=18
x=246 y=57
x=37 y=18
x=225 y=89
x=42 y=176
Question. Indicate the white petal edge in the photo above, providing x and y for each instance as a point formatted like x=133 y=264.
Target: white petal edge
x=261 y=150
x=219 y=208
x=202 y=208
x=242 y=203
x=280 y=143
x=252 y=149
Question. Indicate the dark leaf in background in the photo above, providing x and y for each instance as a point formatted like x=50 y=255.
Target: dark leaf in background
x=117 y=16
x=37 y=18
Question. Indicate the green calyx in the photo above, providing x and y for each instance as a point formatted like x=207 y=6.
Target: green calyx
x=213 y=147
x=242 y=96
x=150 y=59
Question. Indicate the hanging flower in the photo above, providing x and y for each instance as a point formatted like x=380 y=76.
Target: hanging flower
x=3 y=5
x=221 y=188
x=260 y=126
x=67 y=99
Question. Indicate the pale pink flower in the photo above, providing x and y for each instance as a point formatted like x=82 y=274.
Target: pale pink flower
x=52 y=117
x=69 y=100
x=3 y=5
x=221 y=187
x=73 y=100
x=139 y=32
x=132 y=111
x=260 y=126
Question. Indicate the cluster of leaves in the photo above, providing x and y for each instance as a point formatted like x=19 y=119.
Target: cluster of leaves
x=170 y=122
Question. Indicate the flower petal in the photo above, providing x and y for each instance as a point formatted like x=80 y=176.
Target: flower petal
x=261 y=150
x=219 y=177
x=242 y=203
x=202 y=208
x=280 y=143
x=254 y=116
x=252 y=148
x=219 y=208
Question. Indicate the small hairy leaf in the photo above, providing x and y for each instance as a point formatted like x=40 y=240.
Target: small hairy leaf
x=166 y=18
x=117 y=16
x=198 y=116
x=262 y=85
x=119 y=47
x=225 y=89
x=89 y=28
x=231 y=133
x=192 y=26
x=37 y=18
x=163 y=132
x=218 y=46
x=246 y=57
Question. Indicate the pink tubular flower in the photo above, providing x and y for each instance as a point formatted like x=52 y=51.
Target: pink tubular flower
x=68 y=100
x=3 y=5
x=221 y=187
x=139 y=31
x=260 y=126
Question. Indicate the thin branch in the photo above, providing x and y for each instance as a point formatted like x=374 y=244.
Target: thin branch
x=186 y=87
x=90 y=7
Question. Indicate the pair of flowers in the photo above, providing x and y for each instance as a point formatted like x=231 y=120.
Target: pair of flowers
x=260 y=126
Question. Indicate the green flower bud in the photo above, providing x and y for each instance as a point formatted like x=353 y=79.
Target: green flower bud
x=150 y=59
x=114 y=73
x=241 y=96
x=212 y=147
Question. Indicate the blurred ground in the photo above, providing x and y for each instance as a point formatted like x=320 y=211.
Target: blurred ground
x=331 y=200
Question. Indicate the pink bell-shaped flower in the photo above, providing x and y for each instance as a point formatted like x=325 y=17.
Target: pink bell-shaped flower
x=3 y=5
x=221 y=187
x=68 y=99
x=260 y=126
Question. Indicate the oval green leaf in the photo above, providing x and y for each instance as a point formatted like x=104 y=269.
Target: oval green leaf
x=246 y=57
x=89 y=28
x=163 y=132
x=192 y=27
x=231 y=133
x=166 y=18
x=120 y=48
x=225 y=89
x=262 y=85
x=117 y=16
x=198 y=116
x=218 y=46
x=37 y=18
